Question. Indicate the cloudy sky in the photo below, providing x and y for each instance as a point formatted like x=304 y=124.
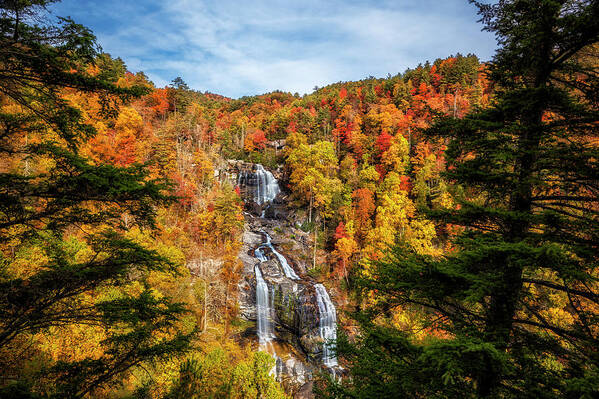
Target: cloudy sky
x=238 y=48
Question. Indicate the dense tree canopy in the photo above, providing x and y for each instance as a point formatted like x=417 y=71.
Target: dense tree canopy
x=515 y=304
x=59 y=190
x=481 y=177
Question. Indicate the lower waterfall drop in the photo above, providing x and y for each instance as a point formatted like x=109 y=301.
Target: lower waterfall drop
x=264 y=308
x=328 y=326
x=263 y=311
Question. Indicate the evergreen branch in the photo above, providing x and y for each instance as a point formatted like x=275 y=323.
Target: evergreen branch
x=564 y=288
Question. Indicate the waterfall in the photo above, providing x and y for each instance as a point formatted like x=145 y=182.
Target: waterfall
x=262 y=187
x=265 y=186
x=263 y=309
x=268 y=187
x=287 y=269
x=328 y=325
x=260 y=255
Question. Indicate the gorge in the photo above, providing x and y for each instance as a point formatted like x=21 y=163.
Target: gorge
x=295 y=317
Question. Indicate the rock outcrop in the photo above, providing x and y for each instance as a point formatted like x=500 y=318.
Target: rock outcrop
x=275 y=255
x=296 y=316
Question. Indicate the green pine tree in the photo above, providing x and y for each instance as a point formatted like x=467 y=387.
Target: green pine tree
x=39 y=60
x=528 y=167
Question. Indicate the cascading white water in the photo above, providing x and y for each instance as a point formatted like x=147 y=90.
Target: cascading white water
x=260 y=255
x=266 y=189
x=287 y=269
x=264 y=184
x=263 y=310
x=328 y=325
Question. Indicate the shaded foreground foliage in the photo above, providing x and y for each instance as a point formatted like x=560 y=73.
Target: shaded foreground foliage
x=493 y=294
x=513 y=311
x=215 y=377
x=48 y=189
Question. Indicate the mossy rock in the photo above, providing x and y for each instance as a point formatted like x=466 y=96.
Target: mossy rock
x=285 y=308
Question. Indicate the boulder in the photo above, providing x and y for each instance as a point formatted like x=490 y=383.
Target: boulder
x=280 y=199
x=305 y=391
x=296 y=312
x=247 y=297
x=270 y=212
x=253 y=208
x=275 y=212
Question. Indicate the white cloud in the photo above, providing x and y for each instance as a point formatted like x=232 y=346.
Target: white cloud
x=241 y=48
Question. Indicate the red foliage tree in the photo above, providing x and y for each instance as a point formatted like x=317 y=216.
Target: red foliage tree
x=363 y=207
x=342 y=93
x=340 y=231
x=158 y=102
x=255 y=140
x=383 y=141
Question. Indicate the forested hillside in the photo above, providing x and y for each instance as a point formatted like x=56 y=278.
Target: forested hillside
x=451 y=211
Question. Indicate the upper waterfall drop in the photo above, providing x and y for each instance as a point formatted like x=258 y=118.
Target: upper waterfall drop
x=265 y=186
x=268 y=186
x=328 y=325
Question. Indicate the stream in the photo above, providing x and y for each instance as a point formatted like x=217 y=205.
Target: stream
x=296 y=321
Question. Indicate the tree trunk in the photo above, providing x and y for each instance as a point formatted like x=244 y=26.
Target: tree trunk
x=205 y=324
x=314 y=252
x=226 y=311
x=17 y=22
x=504 y=300
x=310 y=208
x=455 y=98
x=345 y=272
x=242 y=138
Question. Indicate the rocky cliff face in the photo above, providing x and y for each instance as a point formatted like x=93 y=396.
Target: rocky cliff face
x=296 y=316
x=275 y=255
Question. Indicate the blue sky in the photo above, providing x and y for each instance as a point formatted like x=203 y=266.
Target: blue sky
x=238 y=48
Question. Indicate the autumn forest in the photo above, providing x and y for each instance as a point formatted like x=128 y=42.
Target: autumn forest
x=429 y=234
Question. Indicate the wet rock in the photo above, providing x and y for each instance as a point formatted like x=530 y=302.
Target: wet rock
x=293 y=372
x=247 y=284
x=286 y=302
x=296 y=311
x=247 y=298
x=312 y=344
x=253 y=208
x=280 y=199
x=305 y=391
x=251 y=239
x=276 y=212
x=270 y=212
x=274 y=274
